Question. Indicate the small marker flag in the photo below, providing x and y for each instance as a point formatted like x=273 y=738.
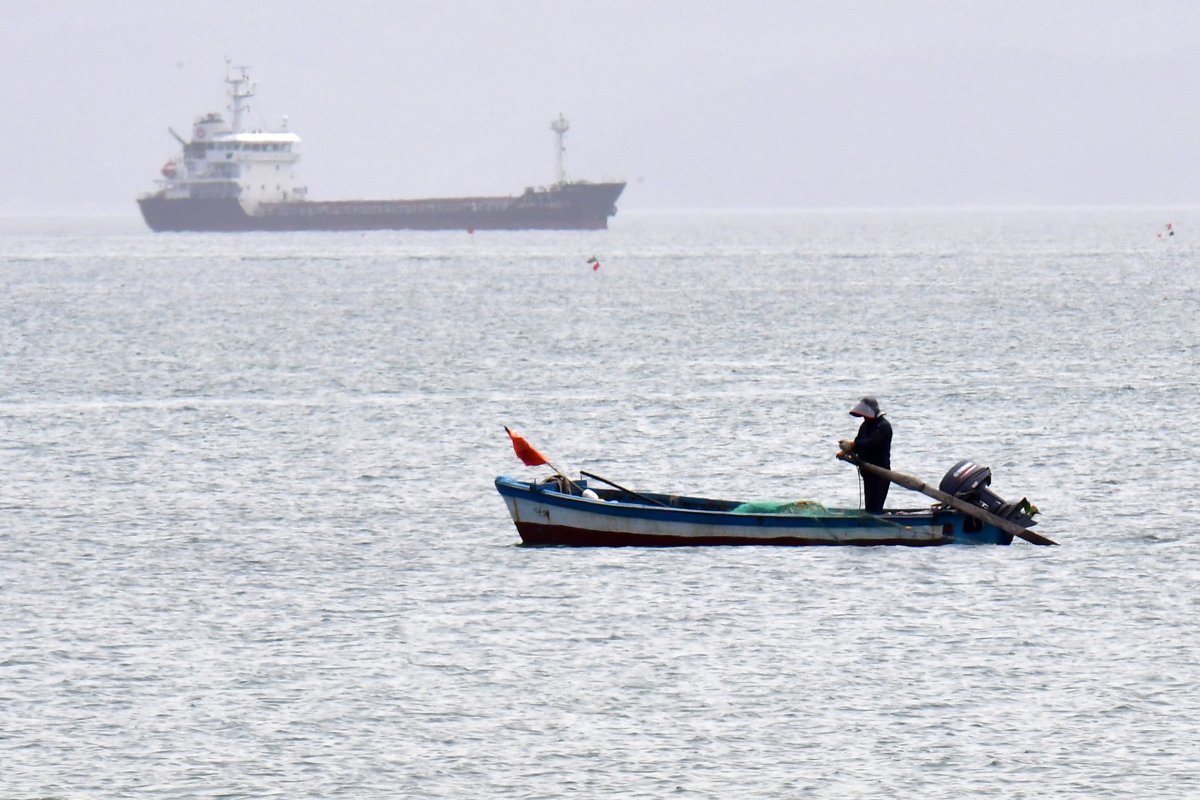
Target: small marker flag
x=525 y=451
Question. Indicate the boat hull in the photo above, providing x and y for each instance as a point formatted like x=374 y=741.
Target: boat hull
x=573 y=206
x=544 y=515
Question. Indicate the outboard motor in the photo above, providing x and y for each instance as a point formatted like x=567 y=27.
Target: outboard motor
x=969 y=481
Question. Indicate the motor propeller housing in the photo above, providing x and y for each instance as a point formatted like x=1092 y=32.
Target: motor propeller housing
x=970 y=481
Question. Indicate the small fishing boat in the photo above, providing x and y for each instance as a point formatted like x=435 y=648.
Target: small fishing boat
x=557 y=510
x=551 y=512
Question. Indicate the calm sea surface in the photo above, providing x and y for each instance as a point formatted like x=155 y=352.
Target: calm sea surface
x=250 y=546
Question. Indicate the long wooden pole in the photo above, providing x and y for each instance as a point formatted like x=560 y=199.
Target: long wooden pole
x=970 y=509
x=650 y=500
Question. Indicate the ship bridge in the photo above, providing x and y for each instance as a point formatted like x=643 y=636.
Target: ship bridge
x=224 y=161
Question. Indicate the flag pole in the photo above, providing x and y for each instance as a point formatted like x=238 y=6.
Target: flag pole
x=532 y=457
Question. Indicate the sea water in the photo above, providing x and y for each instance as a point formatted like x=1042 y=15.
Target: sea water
x=250 y=545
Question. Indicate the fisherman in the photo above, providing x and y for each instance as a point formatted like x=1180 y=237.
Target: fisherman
x=872 y=445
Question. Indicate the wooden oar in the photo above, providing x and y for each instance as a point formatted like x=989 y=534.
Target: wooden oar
x=650 y=500
x=970 y=509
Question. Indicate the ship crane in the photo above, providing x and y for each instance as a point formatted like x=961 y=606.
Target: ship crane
x=560 y=126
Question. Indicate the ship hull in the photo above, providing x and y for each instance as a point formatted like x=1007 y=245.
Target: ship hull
x=571 y=206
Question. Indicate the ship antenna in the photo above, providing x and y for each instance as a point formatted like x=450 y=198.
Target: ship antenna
x=560 y=127
x=240 y=90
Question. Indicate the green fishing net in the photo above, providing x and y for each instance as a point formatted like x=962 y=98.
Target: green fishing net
x=805 y=507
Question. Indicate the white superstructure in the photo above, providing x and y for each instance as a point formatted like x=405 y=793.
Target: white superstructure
x=222 y=160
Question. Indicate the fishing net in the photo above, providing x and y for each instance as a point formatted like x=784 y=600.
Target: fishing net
x=809 y=508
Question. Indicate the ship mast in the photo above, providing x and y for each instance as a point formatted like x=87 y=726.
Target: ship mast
x=240 y=90
x=560 y=127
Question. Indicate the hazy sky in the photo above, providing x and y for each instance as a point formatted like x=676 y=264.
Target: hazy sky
x=697 y=104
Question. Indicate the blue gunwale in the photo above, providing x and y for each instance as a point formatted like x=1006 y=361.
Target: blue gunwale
x=690 y=508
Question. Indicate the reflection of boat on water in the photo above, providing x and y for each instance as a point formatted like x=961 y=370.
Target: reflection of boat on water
x=231 y=179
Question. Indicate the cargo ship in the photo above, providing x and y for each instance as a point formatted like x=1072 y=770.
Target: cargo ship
x=231 y=179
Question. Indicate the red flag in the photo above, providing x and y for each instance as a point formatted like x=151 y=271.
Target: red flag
x=525 y=451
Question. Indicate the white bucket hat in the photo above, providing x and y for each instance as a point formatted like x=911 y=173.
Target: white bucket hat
x=867 y=407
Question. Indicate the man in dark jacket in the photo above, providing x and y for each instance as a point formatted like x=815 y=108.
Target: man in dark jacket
x=873 y=444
